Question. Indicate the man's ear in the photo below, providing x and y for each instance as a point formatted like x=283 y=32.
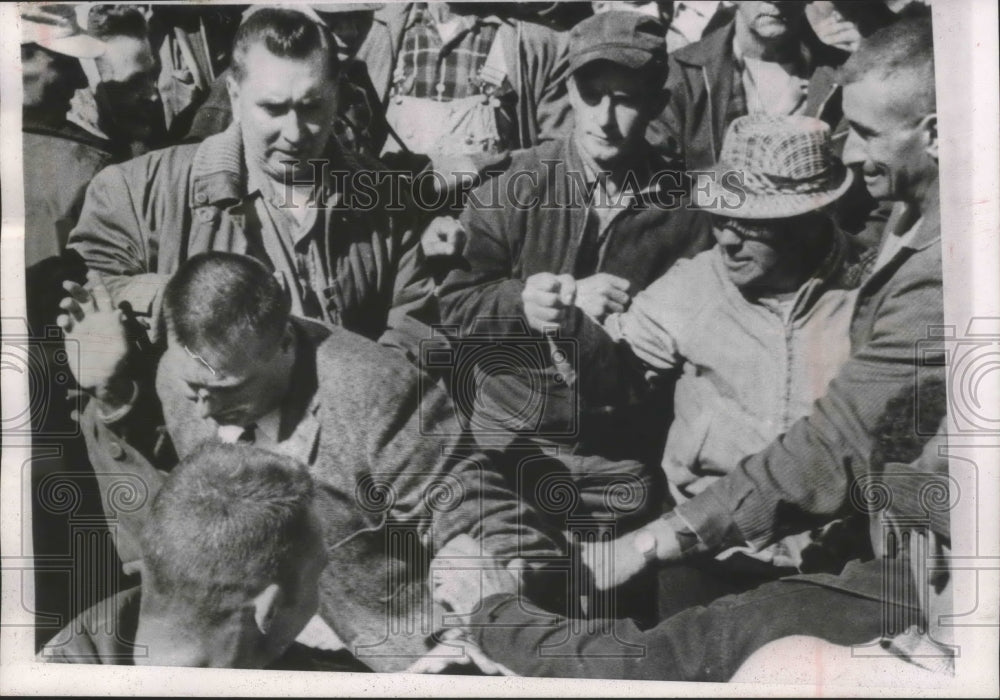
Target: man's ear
x=928 y=127
x=233 y=88
x=266 y=604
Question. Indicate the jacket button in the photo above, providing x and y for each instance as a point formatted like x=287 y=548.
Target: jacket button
x=116 y=451
x=201 y=198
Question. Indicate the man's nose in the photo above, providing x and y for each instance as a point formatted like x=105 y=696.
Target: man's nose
x=203 y=400
x=292 y=129
x=728 y=238
x=602 y=111
x=853 y=152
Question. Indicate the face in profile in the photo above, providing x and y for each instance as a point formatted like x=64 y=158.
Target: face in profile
x=888 y=143
x=49 y=79
x=300 y=599
x=236 y=386
x=348 y=30
x=285 y=108
x=610 y=111
x=128 y=99
x=751 y=250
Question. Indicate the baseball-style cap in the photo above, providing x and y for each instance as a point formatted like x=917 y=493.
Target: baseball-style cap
x=630 y=39
x=57 y=28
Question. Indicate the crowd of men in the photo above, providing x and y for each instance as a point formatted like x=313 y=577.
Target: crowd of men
x=434 y=330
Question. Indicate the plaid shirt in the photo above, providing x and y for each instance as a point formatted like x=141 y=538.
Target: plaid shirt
x=429 y=68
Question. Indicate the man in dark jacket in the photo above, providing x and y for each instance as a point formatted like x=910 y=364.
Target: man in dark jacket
x=766 y=59
x=380 y=439
x=597 y=209
x=322 y=226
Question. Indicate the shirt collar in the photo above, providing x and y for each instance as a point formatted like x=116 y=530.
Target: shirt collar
x=803 y=59
x=221 y=175
x=270 y=425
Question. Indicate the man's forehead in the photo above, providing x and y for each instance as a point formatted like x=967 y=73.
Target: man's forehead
x=267 y=71
x=880 y=101
x=205 y=366
x=125 y=56
x=608 y=76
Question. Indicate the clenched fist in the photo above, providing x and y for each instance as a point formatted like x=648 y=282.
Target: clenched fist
x=547 y=298
x=443 y=237
x=602 y=294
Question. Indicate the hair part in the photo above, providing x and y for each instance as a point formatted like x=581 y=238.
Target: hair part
x=284 y=33
x=902 y=52
x=224 y=302
x=228 y=521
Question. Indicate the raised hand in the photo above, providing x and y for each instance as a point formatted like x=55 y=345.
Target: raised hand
x=602 y=294
x=92 y=322
x=443 y=237
x=547 y=298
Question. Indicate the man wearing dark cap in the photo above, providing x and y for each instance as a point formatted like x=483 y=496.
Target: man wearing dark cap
x=596 y=212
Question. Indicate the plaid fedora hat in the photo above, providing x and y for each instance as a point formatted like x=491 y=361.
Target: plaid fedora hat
x=783 y=165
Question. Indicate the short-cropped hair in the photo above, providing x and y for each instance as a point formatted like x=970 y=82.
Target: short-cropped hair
x=224 y=301
x=228 y=521
x=285 y=33
x=904 y=48
x=107 y=21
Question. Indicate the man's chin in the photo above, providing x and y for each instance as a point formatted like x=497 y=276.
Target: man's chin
x=606 y=156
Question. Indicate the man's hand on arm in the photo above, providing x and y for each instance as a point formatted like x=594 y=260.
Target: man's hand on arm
x=602 y=294
x=98 y=328
x=613 y=562
x=548 y=299
x=461 y=578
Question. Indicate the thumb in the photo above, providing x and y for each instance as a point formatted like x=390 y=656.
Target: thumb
x=567 y=289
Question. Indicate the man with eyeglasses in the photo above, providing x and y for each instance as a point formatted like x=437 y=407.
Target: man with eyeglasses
x=754 y=329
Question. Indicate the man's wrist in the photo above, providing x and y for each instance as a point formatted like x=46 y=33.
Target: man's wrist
x=683 y=541
x=116 y=398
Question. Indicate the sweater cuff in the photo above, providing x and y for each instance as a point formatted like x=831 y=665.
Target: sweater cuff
x=711 y=520
x=488 y=612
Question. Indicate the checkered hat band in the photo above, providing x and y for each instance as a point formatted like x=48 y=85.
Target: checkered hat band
x=763 y=183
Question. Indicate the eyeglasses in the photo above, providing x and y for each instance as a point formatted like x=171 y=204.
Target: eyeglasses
x=750 y=229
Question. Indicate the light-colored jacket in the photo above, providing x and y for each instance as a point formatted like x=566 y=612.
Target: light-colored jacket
x=747 y=369
x=747 y=373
